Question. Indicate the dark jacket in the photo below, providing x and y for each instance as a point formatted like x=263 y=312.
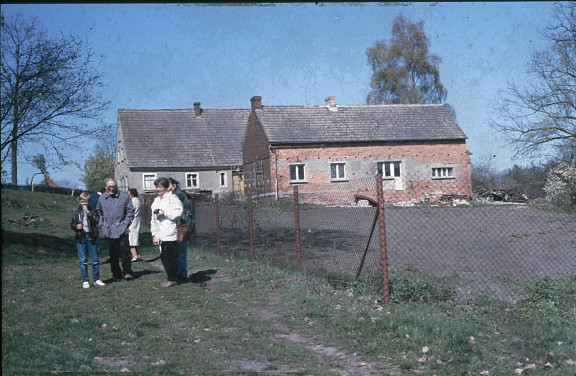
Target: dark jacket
x=188 y=211
x=93 y=219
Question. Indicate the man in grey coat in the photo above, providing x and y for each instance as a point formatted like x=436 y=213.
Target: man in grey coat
x=116 y=214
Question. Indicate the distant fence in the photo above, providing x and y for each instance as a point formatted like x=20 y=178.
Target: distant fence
x=472 y=248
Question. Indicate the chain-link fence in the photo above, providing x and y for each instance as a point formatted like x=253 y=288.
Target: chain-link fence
x=443 y=236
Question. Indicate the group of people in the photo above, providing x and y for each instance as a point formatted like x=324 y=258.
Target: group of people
x=117 y=215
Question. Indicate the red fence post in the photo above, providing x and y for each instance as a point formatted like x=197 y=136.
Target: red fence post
x=217 y=222
x=383 y=251
x=297 y=220
x=250 y=225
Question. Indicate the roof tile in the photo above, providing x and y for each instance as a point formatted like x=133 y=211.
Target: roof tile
x=177 y=137
x=311 y=124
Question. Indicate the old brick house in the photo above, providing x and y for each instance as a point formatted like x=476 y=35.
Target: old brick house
x=419 y=149
x=201 y=148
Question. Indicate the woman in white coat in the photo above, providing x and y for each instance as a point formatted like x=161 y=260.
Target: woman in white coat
x=134 y=235
x=166 y=210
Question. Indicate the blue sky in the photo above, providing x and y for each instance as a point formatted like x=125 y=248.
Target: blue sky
x=172 y=55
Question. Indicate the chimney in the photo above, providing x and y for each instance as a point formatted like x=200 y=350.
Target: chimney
x=331 y=103
x=256 y=103
x=197 y=109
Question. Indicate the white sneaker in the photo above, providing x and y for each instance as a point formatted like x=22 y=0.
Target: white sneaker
x=86 y=285
x=99 y=283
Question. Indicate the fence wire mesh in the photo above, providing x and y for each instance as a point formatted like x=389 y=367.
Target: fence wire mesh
x=472 y=248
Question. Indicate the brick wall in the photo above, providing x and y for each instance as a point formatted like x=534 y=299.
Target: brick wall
x=267 y=169
x=415 y=183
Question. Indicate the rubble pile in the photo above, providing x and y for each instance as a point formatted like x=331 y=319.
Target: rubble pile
x=492 y=195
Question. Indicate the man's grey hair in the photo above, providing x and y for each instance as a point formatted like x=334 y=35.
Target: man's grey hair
x=110 y=179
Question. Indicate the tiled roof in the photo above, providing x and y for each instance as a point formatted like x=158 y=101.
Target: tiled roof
x=313 y=124
x=178 y=138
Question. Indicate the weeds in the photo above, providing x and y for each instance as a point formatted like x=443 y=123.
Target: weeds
x=210 y=327
x=552 y=298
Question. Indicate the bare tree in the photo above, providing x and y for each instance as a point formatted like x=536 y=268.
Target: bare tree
x=49 y=90
x=541 y=114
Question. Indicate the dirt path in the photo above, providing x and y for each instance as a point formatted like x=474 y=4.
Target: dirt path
x=336 y=360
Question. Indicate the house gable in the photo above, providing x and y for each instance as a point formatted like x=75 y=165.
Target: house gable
x=256 y=155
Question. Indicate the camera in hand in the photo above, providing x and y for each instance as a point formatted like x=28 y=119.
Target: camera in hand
x=156 y=211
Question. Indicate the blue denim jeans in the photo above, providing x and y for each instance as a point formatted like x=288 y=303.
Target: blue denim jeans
x=88 y=248
x=182 y=263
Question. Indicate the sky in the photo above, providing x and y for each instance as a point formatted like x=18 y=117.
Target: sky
x=172 y=55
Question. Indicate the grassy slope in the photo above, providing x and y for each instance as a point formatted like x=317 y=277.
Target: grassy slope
x=241 y=317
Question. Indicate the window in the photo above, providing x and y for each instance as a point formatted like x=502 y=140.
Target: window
x=389 y=169
x=442 y=172
x=297 y=172
x=337 y=171
x=223 y=179
x=148 y=181
x=192 y=180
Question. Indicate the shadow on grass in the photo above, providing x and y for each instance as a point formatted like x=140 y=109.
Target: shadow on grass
x=201 y=276
x=135 y=276
x=49 y=246
x=152 y=259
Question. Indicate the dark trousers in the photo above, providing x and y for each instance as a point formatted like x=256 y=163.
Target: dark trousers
x=182 y=260
x=119 y=248
x=169 y=257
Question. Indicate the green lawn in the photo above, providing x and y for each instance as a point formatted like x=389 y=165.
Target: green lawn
x=238 y=317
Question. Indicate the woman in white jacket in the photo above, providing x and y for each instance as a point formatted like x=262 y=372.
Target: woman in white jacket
x=166 y=210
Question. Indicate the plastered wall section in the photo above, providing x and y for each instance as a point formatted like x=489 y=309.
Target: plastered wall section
x=415 y=183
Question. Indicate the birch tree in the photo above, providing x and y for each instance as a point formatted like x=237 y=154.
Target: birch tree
x=404 y=71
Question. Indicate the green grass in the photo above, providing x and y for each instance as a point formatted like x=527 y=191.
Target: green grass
x=230 y=320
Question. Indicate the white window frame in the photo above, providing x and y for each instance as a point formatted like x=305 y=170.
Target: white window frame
x=222 y=174
x=393 y=172
x=145 y=187
x=197 y=180
x=443 y=173
x=334 y=168
x=300 y=167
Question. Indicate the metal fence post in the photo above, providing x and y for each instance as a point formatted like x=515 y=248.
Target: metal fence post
x=217 y=222
x=250 y=225
x=383 y=251
x=297 y=224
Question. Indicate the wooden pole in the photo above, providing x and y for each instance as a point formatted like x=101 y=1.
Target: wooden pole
x=383 y=250
x=297 y=224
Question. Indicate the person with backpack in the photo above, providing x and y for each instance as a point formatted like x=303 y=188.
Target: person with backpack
x=186 y=225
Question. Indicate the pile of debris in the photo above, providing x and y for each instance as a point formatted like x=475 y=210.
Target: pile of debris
x=492 y=195
x=28 y=219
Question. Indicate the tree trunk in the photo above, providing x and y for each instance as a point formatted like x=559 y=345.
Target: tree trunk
x=14 y=161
